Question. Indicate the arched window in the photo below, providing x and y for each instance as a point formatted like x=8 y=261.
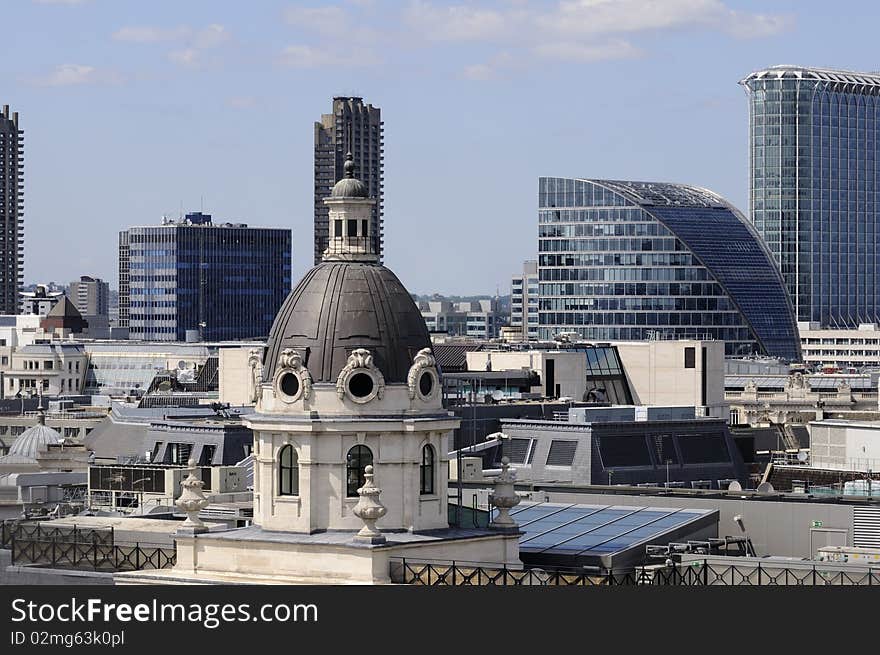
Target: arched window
x=288 y=472
x=359 y=458
x=427 y=470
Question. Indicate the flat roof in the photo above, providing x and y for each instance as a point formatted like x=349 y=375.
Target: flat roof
x=840 y=422
x=124 y=523
x=672 y=492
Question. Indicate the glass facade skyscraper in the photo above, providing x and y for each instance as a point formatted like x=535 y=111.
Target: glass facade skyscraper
x=196 y=280
x=621 y=261
x=814 y=146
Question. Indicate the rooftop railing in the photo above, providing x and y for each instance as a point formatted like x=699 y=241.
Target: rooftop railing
x=698 y=573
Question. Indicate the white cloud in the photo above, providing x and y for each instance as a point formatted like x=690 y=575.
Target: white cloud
x=757 y=25
x=622 y=16
x=460 y=22
x=192 y=43
x=526 y=31
x=144 y=34
x=337 y=26
x=578 y=30
x=306 y=56
x=586 y=52
x=76 y=75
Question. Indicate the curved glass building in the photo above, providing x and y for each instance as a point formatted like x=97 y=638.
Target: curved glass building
x=814 y=164
x=624 y=261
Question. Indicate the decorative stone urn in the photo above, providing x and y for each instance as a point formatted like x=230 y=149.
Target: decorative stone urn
x=369 y=509
x=504 y=498
x=192 y=501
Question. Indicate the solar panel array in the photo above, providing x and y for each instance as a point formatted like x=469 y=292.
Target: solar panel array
x=582 y=530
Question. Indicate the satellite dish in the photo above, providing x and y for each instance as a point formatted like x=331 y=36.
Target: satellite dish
x=802 y=456
x=164 y=386
x=497 y=395
x=765 y=488
x=734 y=486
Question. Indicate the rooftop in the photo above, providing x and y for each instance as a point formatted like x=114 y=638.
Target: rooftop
x=664 y=193
x=818 y=74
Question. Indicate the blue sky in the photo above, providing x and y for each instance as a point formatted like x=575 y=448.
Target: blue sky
x=132 y=110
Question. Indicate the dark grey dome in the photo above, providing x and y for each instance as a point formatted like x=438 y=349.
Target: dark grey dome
x=349 y=187
x=339 y=306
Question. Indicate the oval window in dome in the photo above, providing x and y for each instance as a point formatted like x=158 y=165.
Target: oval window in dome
x=426 y=383
x=361 y=385
x=289 y=384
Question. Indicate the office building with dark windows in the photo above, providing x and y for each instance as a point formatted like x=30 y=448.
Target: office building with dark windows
x=353 y=127
x=623 y=261
x=194 y=280
x=814 y=146
x=11 y=211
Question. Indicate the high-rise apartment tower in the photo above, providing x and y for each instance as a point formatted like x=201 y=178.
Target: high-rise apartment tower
x=90 y=295
x=524 y=302
x=11 y=211
x=357 y=128
x=814 y=187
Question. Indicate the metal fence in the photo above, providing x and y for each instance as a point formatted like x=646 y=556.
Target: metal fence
x=52 y=553
x=699 y=573
x=74 y=547
x=14 y=529
x=405 y=571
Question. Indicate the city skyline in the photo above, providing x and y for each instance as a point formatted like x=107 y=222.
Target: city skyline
x=120 y=104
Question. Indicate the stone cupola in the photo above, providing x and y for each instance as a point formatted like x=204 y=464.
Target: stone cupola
x=349 y=381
